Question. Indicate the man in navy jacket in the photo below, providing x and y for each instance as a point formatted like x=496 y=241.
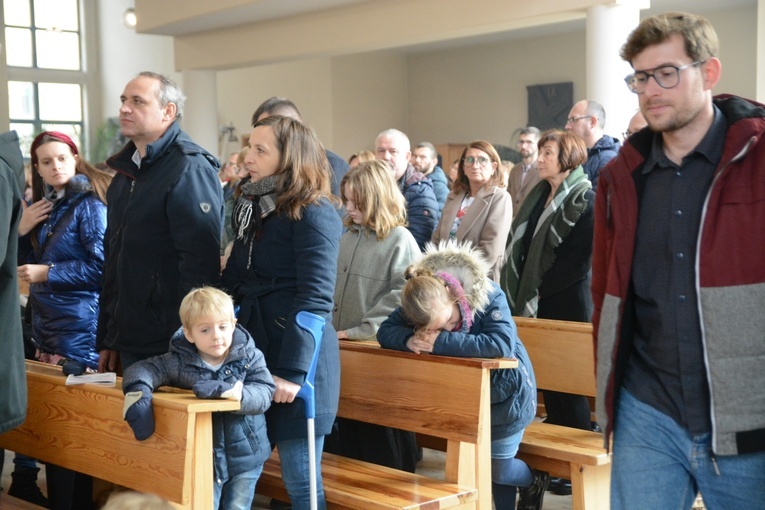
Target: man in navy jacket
x=165 y=213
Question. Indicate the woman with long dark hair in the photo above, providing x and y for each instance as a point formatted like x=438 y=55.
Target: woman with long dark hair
x=284 y=261
x=61 y=257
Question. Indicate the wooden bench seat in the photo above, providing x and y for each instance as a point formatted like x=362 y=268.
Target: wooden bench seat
x=435 y=395
x=356 y=484
x=81 y=428
x=10 y=503
x=563 y=359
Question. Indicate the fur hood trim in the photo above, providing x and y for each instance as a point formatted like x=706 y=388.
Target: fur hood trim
x=464 y=262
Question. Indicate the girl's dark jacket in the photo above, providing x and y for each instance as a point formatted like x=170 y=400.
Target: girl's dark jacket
x=291 y=266
x=240 y=442
x=71 y=242
x=492 y=335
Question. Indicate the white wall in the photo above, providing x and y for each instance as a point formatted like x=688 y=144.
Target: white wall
x=446 y=96
x=307 y=83
x=369 y=95
x=124 y=53
x=479 y=92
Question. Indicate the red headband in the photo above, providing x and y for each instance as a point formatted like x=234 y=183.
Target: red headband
x=48 y=136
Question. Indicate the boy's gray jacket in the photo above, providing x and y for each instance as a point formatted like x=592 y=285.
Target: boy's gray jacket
x=240 y=442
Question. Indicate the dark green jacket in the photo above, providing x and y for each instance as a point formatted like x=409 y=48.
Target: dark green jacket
x=13 y=397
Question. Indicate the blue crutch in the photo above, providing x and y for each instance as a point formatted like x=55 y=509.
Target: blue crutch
x=314 y=324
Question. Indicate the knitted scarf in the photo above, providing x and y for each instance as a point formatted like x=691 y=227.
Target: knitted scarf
x=257 y=202
x=455 y=287
x=555 y=223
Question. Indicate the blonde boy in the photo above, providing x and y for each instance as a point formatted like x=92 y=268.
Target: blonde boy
x=215 y=358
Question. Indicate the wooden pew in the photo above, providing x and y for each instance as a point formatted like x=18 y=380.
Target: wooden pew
x=81 y=427
x=434 y=395
x=10 y=503
x=563 y=359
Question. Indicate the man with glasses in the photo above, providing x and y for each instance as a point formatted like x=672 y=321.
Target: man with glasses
x=679 y=282
x=587 y=119
x=637 y=122
x=524 y=175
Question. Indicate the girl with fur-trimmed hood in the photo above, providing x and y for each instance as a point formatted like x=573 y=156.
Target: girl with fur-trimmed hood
x=450 y=307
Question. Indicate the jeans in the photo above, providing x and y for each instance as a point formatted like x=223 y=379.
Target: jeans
x=659 y=464
x=22 y=462
x=507 y=472
x=295 y=472
x=237 y=492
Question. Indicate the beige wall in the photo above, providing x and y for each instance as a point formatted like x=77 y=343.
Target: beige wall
x=447 y=96
x=479 y=92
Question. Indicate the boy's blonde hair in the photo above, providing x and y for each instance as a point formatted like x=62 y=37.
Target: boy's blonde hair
x=131 y=500
x=205 y=302
x=376 y=195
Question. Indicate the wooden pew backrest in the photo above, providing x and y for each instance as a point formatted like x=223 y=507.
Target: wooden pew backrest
x=564 y=363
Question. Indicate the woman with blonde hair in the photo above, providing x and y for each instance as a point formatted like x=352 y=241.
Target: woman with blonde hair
x=374 y=252
x=478 y=209
x=450 y=307
x=283 y=262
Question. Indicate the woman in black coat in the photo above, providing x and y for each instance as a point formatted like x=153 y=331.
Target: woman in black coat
x=284 y=261
x=547 y=273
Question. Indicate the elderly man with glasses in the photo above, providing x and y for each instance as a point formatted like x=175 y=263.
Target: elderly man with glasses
x=587 y=119
x=678 y=282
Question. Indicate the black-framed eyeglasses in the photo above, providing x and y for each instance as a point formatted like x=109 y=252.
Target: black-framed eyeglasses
x=479 y=161
x=667 y=77
x=571 y=120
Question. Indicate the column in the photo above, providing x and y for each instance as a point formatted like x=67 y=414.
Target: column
x=607 y=28
x=200 y=116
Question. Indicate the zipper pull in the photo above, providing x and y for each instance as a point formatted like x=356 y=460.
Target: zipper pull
x=132 y=185
x=714 y=463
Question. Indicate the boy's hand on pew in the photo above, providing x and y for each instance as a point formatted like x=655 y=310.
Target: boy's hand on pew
x=138 y=411
x=218 y=389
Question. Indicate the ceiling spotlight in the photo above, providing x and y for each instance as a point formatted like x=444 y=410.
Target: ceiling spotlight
x=129 y=18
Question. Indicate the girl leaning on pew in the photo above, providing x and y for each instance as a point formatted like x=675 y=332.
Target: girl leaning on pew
x=450 y=307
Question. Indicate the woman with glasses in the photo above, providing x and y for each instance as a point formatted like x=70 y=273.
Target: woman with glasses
x=547 y=274
x=478 y=209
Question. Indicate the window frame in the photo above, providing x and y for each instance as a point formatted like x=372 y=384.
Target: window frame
x=85 y=78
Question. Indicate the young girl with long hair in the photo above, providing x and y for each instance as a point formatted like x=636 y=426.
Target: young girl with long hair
x=374 y=252
x=449 y=306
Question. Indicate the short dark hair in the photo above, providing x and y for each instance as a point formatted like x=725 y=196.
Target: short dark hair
x=572 y=150
x=277 y=106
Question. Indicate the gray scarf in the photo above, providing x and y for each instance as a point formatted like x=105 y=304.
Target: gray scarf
x=257 y=202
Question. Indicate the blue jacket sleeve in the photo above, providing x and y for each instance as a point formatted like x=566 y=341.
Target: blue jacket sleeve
x=258 y=389
x=195 y=211
x=395 y=331
x=85 y=273
x=423 y=212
